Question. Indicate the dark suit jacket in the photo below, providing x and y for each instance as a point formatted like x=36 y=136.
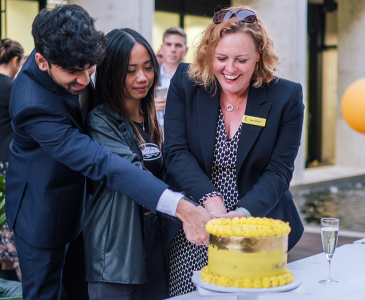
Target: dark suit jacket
x=49 y=158
x=5 y=123
x=265 y=160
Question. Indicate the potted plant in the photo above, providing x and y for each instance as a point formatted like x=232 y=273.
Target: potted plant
x=8 y=289
x=2 y=201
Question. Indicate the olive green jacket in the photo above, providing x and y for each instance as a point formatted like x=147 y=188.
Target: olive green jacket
x=113 y=224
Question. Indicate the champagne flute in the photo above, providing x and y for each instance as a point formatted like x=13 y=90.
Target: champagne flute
x=329 y=233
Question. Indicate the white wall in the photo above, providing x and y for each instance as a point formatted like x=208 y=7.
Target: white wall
x=19 y=19
x=111 y=14
x=350 y=145
x=287 y=23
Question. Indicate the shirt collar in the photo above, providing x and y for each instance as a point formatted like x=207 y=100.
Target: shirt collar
x=162 y=72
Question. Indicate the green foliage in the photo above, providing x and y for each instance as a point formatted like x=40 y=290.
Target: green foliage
x=2 y=201
x=10 y=290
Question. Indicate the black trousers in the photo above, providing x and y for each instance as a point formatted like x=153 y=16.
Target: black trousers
x=52 y=274
x=157 y=286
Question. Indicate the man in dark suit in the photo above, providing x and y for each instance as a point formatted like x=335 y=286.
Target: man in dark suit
x=50 y=156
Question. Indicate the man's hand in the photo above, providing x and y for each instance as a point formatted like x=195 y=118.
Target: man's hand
x=232 y=214
x=194 y=219
x=215 y=206
x=160 y=103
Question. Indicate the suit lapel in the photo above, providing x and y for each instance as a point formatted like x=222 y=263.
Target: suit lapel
x=78 y=117
x=72 y=106
x=208 y=112
x=256 y=107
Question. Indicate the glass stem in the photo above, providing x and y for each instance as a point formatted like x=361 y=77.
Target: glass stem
x=329 y=270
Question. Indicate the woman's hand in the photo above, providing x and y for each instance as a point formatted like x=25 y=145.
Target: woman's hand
x=215 y=206
x=232 y=214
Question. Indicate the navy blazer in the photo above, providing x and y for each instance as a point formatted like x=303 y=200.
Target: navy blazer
x=265 y=159
x=49 y=158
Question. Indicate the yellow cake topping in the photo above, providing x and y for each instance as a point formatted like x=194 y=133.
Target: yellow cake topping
x=248 y=283
x=247 y=227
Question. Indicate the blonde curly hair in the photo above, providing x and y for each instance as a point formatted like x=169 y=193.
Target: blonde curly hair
x=201 y=70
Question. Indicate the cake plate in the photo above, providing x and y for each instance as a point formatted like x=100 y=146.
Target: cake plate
x=206 y=288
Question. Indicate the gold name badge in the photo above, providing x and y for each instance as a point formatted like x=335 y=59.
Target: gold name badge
x=254 y=121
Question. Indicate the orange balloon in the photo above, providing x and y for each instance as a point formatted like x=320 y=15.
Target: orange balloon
x=353 y=105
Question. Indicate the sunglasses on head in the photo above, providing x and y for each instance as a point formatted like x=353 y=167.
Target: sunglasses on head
x=244 y=15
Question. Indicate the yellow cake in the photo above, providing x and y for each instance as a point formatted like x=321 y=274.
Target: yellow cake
x=247 y=253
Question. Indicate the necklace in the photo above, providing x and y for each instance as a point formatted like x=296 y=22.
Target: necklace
x=139 y=123
x=229 y=106
x=142 y=125
x=140 y=109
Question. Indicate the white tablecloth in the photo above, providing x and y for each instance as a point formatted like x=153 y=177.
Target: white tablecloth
x=348 y=267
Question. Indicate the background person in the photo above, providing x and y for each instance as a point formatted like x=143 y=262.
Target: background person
x=11 y=60
x=123 y=241
x=159 y=56
x=50 y=156
x=232 y=133
x=173 y=52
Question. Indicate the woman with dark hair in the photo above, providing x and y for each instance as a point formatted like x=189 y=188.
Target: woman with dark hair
x=11 y=59
x=123 y=243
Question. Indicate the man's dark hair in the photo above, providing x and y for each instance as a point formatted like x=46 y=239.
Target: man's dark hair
x=66 y=37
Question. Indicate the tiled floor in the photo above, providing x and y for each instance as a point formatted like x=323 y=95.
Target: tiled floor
x=327 y=173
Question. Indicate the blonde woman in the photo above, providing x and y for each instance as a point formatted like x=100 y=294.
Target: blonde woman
x=232 y=132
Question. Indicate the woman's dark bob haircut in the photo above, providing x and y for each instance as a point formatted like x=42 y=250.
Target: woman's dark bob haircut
x=111 y=75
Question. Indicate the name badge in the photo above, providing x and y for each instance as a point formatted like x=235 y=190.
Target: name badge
x=254 y=121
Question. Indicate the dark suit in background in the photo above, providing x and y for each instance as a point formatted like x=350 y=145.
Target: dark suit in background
x=265 y=158
x=45 y=201
x=5 y=122
x=7 y=248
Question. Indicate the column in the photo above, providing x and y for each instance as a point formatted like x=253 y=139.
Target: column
x=111 y=14
x=286 y=21
x=350 y=145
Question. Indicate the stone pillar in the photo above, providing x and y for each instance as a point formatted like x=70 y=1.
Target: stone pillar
x=111 y=14
x=350 y=145
x=286 y=21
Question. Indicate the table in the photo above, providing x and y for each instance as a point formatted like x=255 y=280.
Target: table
x=348 y=267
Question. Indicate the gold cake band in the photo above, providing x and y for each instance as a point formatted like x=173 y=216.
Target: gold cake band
x=253 y=245
x=265 y=282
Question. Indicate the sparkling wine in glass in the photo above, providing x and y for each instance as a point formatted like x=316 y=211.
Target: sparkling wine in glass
x=329 y=234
